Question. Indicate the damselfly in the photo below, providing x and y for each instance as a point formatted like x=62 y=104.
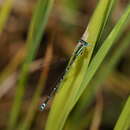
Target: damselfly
x=78 y=51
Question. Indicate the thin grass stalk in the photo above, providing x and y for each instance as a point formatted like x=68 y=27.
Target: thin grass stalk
x=98 y=112
x=37 y=28
x=26 y=124
x=13 y=65
x=123 y=122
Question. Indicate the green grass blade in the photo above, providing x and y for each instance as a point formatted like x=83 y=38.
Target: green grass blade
x=98 y=59
x=123 y=122
x=65 y=97
x=4 y=13
x=104 y=27
x=116 y=32
x=98 y=21
x=28 y=120
x=99 y=78
x=37 y=28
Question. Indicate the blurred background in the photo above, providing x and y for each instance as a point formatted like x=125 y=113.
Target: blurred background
x=66 y=25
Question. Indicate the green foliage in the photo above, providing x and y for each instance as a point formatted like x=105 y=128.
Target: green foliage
x=97 y=60
x=36 y=30
x=99 y=57
x=84 y=77
x=123 y=122
x=105 y=69
x=75 y=82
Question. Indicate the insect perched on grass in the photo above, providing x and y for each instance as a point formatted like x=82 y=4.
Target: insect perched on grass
x=77 y=52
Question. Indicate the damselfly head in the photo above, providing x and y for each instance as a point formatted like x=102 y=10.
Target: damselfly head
x=83 y=43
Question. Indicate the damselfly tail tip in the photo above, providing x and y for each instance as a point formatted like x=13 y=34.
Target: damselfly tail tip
x=42 y=107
